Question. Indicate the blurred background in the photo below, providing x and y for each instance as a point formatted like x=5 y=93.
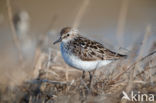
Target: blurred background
x=27 y=55
x=26 y=24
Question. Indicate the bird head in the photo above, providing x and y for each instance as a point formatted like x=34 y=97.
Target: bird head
x=66 y=35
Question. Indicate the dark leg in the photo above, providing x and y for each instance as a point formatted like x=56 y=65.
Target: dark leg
x=90 y=77
x=83 y=74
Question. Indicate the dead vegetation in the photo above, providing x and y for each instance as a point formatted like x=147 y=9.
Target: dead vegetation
x=51 y=80
x=56 y=82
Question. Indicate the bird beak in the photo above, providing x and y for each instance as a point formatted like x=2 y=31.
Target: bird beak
x=57 y=41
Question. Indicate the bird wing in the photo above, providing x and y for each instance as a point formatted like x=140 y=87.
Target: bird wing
x=89 y=50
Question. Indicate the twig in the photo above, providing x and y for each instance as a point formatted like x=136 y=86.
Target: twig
x=83 y=82
x=132 y=66
x=14 y=34
x=147 y=34
x=37 y=62
x=55 y=82
x=122 y=21
x=60 y=68
x=67 y=73
x=49 y=61
x=68 y=87
x=147 y=68
x=80 y=13
x=49 y=81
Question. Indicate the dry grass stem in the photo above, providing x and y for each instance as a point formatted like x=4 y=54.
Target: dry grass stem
x=80 y=13
x=122 y=21
x=55 y=82
x=14 y=34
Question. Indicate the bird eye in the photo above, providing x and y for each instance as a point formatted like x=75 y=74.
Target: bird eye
x=67 y=34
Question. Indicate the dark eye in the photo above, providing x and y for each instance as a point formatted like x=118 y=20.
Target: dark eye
x=67 y=34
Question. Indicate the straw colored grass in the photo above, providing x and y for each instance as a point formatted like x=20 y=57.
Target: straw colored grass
x=50 y=80
x=51 y=84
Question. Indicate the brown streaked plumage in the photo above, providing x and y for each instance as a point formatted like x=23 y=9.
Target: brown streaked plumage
x=89 y=50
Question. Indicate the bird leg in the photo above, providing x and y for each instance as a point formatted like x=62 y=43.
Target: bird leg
x=90 y=77
x=83 y=74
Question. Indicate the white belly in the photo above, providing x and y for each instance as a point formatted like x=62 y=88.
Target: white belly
x=77 y=63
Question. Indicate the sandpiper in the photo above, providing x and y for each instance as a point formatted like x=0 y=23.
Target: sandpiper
x=82 y=53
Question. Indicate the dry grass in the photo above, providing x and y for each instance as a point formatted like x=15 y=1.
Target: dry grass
x=51 y=80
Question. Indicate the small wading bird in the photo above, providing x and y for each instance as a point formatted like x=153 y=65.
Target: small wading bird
x=82 y=53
